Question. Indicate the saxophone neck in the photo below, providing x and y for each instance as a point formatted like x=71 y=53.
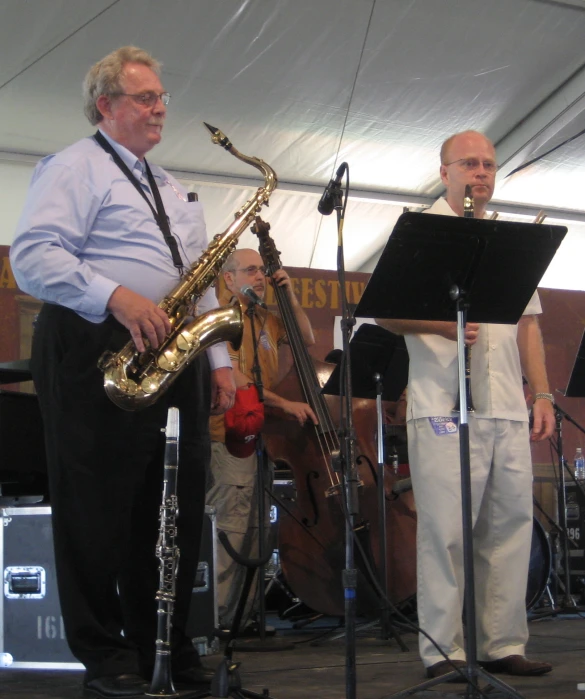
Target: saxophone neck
x=270 y=178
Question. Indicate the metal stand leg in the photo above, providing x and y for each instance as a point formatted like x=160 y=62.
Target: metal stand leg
x=227 y=682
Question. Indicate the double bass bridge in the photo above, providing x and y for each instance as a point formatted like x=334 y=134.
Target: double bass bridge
x=335 y=490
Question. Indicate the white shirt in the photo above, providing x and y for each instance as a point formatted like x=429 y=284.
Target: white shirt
x=496 y=375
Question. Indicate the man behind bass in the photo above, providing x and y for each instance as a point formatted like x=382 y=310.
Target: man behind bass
x=233 y=478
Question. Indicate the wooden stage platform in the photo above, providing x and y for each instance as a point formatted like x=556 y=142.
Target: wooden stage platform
x=310 y=671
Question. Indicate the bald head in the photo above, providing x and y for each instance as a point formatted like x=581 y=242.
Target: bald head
x=462 y=137
x=245 y=267
x=468 y=158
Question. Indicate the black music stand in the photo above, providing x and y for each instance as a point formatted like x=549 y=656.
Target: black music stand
x=379 y=371
x=374 y=350
x=576 y=385
x=575 y=389
x=432 y=268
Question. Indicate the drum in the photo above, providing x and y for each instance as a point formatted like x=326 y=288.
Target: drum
x=539 y=568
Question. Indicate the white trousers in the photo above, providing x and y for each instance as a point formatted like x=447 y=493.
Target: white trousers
x=501 y=477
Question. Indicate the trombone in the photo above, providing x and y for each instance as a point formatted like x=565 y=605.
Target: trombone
x=468 y=212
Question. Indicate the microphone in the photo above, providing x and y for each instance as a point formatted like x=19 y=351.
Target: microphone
x=402 y=486
x=253 y=297
x=327 y=201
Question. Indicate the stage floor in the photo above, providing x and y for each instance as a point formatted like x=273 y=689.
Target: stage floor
x=318 y=671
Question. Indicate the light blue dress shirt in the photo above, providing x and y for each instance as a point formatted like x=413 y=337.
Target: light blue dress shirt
x=85 y=230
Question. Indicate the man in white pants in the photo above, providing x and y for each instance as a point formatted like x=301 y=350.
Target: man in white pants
x=501 y=466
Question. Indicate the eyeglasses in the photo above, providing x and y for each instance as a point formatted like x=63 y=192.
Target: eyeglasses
x=471 y=164
x=147 y=99
x=252 y=270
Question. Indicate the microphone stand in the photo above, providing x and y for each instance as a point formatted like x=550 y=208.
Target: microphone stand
x=261 y=470
x=568 y=603
x=347 y=459
x=383 y=568
x=567 y=599
x=387 y=628
x=261 y=462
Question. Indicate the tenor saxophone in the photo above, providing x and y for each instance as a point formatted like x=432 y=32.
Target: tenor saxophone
x=135 y=380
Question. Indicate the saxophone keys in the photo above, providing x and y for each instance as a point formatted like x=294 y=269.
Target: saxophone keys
x=168 y=361
x=150 y=385
x=187 y=342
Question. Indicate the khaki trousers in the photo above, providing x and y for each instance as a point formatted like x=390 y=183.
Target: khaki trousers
x=501 y=476
x=233 y=494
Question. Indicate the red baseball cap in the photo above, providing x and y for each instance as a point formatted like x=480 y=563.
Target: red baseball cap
x=243 y=422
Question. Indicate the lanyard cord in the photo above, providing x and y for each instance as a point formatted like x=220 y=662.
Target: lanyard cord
x=159 y=213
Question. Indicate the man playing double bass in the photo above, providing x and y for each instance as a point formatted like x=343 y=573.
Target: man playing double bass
x=234 y=462
x=501 y=467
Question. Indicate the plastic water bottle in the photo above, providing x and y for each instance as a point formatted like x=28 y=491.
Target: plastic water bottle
x=579 y=465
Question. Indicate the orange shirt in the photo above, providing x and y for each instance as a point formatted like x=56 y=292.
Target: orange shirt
x=270 y=333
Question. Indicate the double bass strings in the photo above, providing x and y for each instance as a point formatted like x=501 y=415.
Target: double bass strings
x=325 y=431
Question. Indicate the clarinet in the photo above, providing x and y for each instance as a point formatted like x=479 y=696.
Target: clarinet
x=168 y=554
x=468 y=212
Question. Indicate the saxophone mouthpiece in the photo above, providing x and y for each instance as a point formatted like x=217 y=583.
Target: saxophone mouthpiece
x=219 y=137
x=468 y=202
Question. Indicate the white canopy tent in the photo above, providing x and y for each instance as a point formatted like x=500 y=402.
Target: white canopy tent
x=307 y=84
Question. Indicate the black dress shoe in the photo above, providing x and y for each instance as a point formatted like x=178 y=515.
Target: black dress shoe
x=195 y=676
x=128 y=685
x=516 y=665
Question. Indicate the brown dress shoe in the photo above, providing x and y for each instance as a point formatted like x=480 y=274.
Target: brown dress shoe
x=444 y=667
x=516 y=665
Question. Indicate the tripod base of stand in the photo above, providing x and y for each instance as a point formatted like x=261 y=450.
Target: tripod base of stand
x=227 y=683
x=557 y=611
x=386 y=633
x=495 y=688
x=187 y=693
x=257 y=645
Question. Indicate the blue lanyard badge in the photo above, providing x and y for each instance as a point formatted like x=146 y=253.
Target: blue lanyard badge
x=444 y=425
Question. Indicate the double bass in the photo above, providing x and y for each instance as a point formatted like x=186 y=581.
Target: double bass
x=312 y=525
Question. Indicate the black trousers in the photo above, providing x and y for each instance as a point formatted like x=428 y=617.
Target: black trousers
x=105 y=480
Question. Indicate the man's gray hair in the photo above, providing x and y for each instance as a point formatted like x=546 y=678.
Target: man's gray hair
x=103 y=78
